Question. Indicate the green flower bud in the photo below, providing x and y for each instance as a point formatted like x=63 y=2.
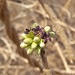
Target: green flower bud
x=36 y=39
x=23 y=35
x=38 y=50
x=34 y=45
x=23 y=45
x=28 y=40
x=34 y=25
x=47 y=28
x=52 y=34
x=29 y=51
x=42 y=44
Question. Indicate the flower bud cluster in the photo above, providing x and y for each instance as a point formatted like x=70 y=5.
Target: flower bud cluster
x=35 y=38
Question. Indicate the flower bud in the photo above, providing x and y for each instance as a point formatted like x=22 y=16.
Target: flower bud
x=34 y=25
x=34 y=45
x=36 y=39
x=28 y=40
x=29 y=51
x=42 y=44
x=23 y=45
x=52 y=34
x=23 y=35
x=47 y=28
x=38 y=50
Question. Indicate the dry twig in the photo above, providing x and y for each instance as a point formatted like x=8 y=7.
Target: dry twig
x=62 y=57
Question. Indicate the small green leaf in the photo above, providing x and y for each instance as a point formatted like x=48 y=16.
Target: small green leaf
x=30 y=34
x=28 y=40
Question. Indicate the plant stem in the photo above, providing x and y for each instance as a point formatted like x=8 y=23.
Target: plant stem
x=45 y=63
x=44 y=59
